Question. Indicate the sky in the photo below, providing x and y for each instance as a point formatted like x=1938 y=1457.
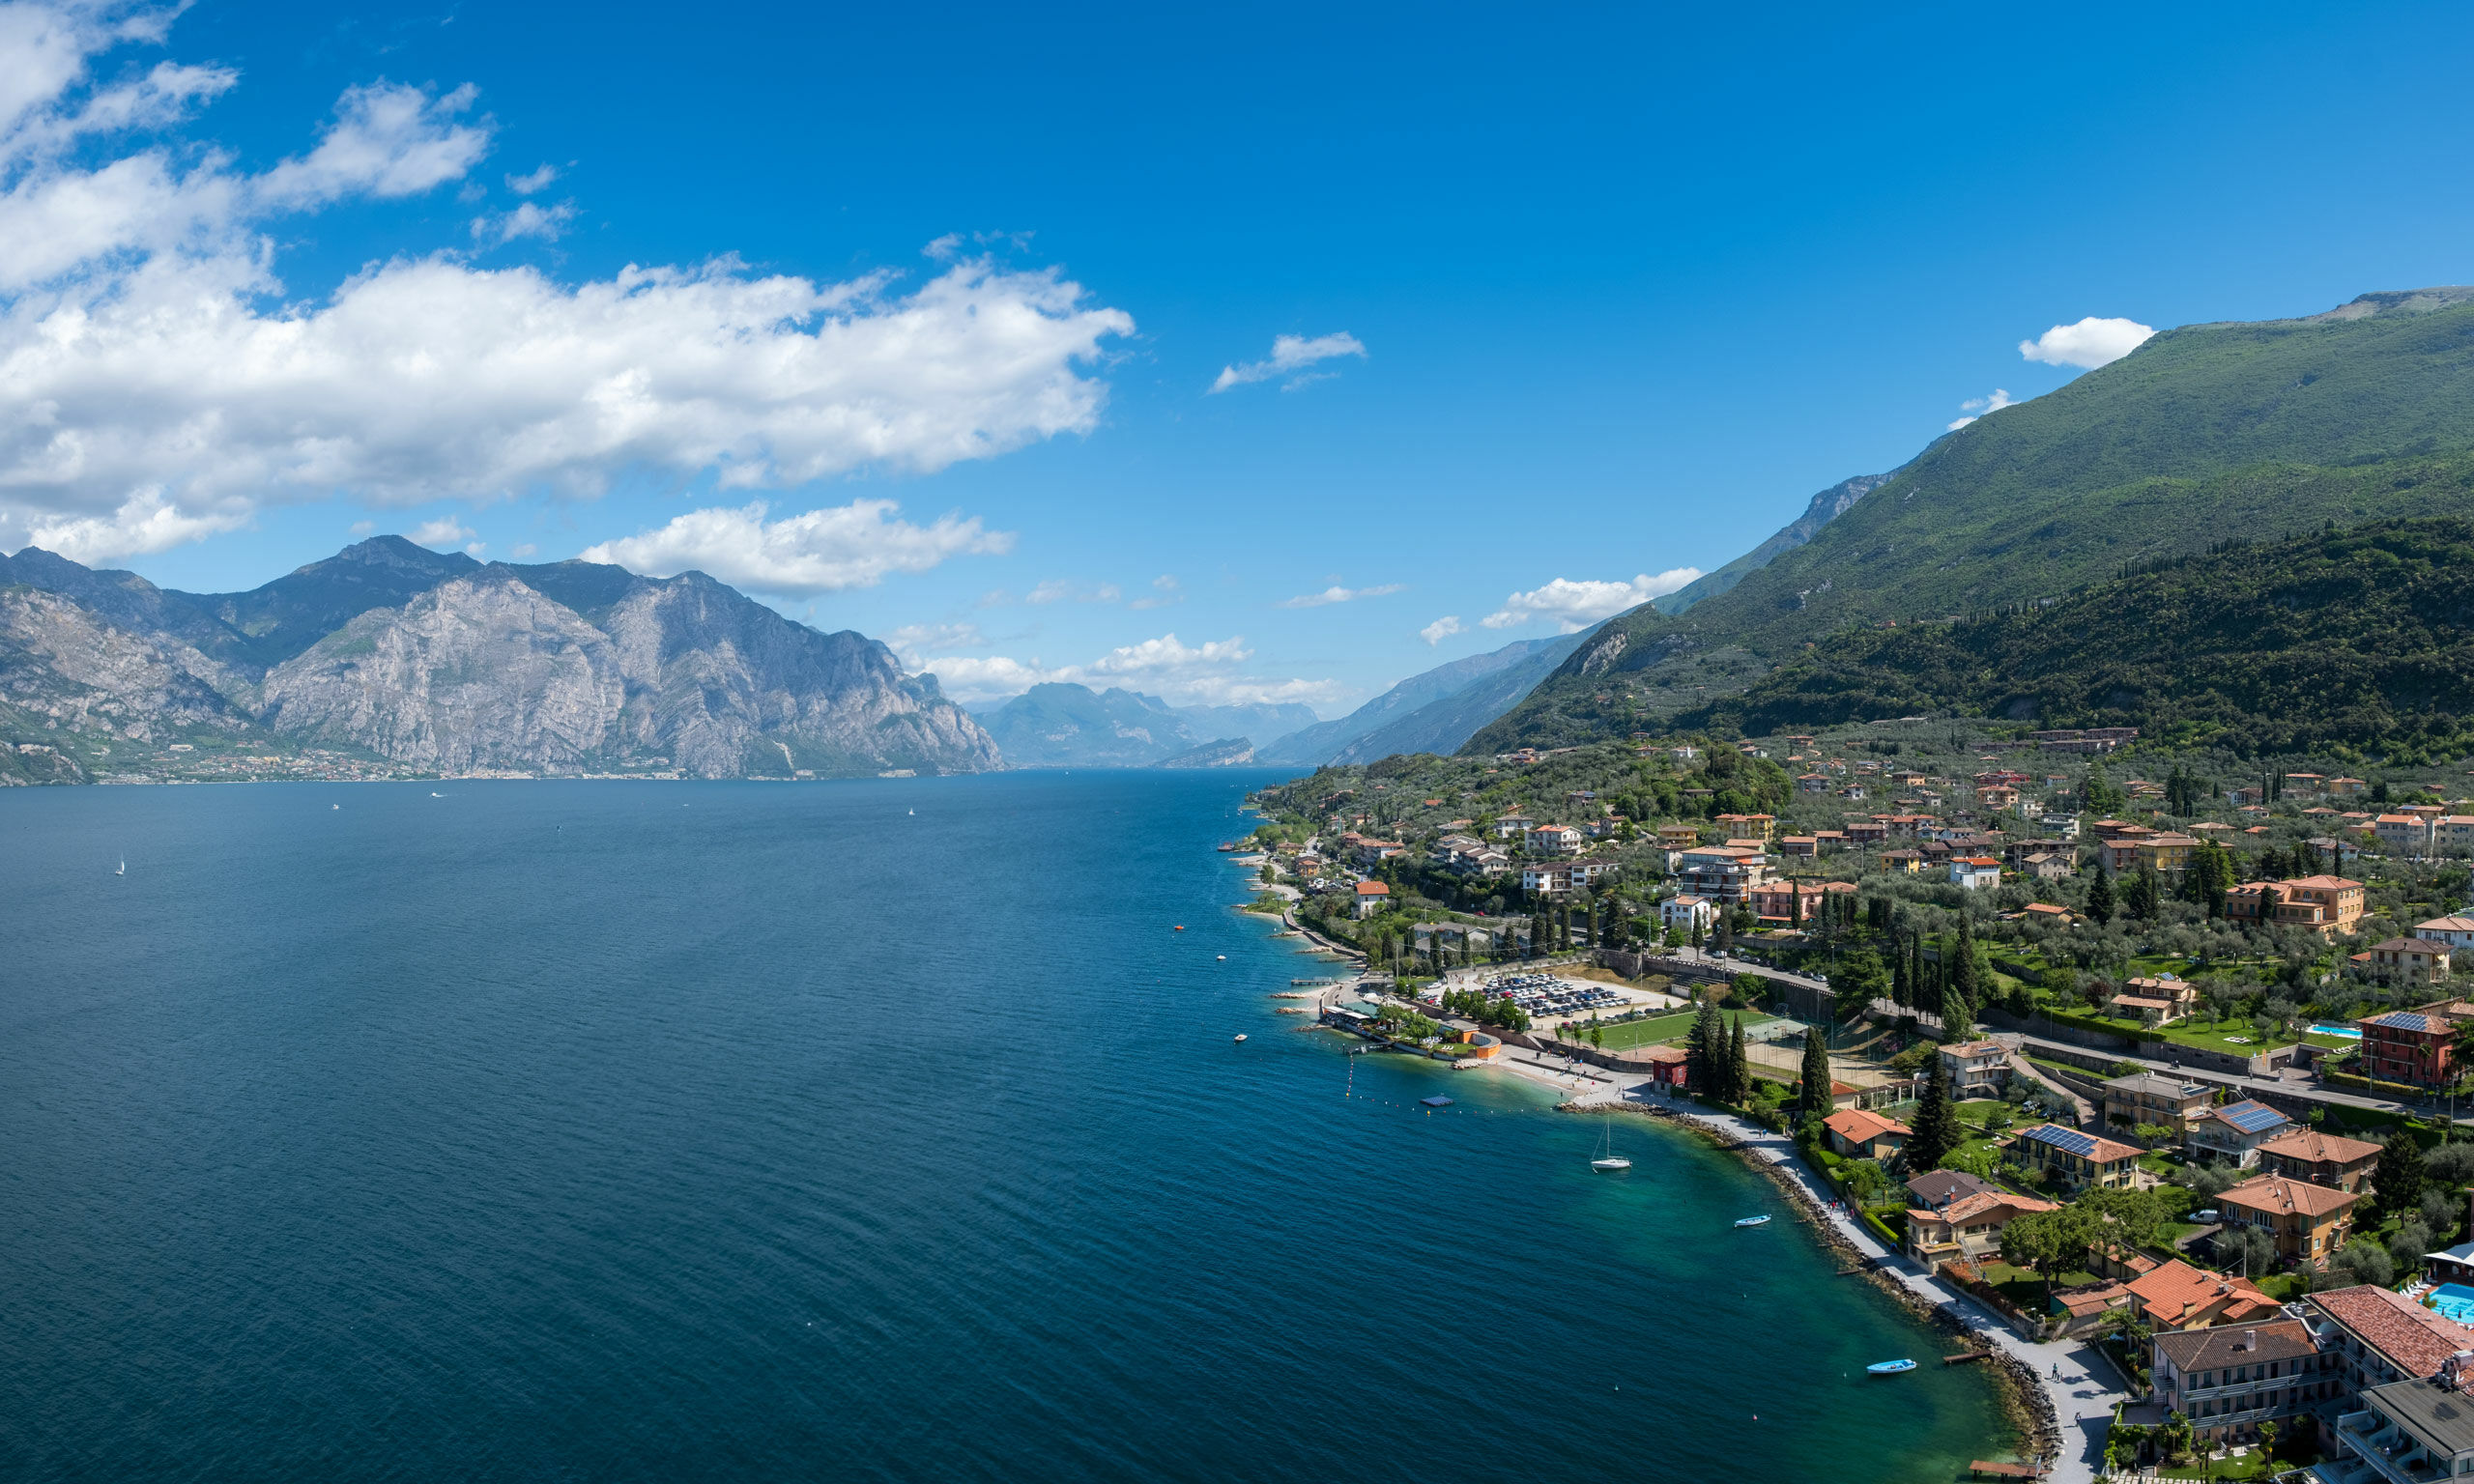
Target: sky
x=1249 y=354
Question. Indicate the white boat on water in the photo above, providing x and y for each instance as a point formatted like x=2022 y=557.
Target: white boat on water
x=124 y=867
x=1607 y=1159
x=1754 y=1221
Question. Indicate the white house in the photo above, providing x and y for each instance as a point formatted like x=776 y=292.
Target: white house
x=1976 y=872
x=1692 y=914
x=1554 y=840
x=1372 y=896
x=2455 y=931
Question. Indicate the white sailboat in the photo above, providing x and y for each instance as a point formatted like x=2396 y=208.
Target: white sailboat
x=1607 y=1159
x=124 y=867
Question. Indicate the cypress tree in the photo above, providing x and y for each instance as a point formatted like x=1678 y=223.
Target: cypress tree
x=1816 y=1092
x=1936 y=1123
x=1902 y=984
x=1700 y=1052
x=2397 y=1182
x=2100 y=899
x=1738 y=1068
x=1963 y=975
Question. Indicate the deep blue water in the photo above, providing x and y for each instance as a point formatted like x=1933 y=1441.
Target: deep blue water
x=621 y=1132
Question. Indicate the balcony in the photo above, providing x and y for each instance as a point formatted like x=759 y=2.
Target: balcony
x=2387 y=1451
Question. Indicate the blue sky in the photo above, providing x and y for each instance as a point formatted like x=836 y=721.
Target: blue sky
x=1599 y=297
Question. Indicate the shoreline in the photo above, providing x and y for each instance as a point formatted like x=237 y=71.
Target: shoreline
x=2025 y=1371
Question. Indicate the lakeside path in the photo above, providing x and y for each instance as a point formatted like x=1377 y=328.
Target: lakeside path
x=2080 y=1385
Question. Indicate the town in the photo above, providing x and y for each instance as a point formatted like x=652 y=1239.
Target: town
x=2157 y=1053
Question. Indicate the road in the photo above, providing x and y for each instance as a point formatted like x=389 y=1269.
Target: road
x=2300 y=1085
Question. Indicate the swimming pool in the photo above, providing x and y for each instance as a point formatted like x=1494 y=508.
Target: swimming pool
x=2342 y=1032
x=2454 y=1301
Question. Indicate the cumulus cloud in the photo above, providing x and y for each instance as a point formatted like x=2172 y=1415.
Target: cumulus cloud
x=536 y=180
x=1574 y=605
x=149 y=351
x=2091 y=343
x=1441 y=629
x=445 y=531
x=1290 y=355
x=822 y=551
x=1058 y=589
x=914 y=640
x=1337 y=593
x=528 y=219
x=1977 y=406
x=143 y=522
x=1208 y=673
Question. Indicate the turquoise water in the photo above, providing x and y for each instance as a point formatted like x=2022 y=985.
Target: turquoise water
x=2454 y=1301
x=744 y=1132
x=2348 y=1032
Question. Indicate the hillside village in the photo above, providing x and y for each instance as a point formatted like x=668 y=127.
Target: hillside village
x=2159 y=1049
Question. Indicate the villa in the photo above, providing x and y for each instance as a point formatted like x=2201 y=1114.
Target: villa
x=1977 y=1068
x=2325 y=1159
x=2308 y=1222
x=1860 y=1135
x=2236 y=1132
x=1967 y=1229
x=2230 y=1379
x=2077 y=1159
x=2155 y=1100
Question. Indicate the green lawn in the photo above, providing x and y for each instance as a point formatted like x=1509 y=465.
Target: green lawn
x=1659 y=1029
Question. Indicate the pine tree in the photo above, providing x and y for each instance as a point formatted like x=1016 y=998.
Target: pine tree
x=1815 y=1097
x=1936 y=1123
x=1738 y=1068
x=2144 y=897
x=2100 y=899
x=2397 y=1183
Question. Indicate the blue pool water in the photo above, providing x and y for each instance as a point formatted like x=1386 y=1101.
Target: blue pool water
x=2342 y=1032
x=2454 y=1301
x=633 y=1131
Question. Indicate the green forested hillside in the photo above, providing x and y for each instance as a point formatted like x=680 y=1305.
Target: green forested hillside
x=2361 y=636
x=2204 y=433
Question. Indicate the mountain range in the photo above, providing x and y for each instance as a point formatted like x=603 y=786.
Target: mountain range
x=1061 y=725
x=392 y=652
x=2261 y=430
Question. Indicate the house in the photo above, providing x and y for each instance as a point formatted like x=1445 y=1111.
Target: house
x=2151 y=1099
x=2452 y=834
x=2159 y=1001
x=2077 y=1159
x=1936 y=1190
x=1692 y=913
x=1813 y=783
x=1759 y=826
x=2307 y=1222
x=1803 y=846
x=1722 y=874
x=2421 y=959
x=2045 y=912
x=1554 y=840
x=1860 y=1135
x=1665 y=1065
x=2229 y=1379
x=1563 y=878
x=2406 y=1046
x=1826 y=841
x=2050 y=864
x=1372 y=896
x=2168 y=854
x=2322 y=1158
x=1866 y=832
x=1976 y=872
x=2377 y=1336
x=1908 y=861
x=2064 y=825
x=1967 y=1229
x=2408 y=834
x=2409 y=1430
x=1513 y=824
x=1977 y=1068
x=2455 y=931
x=1679 y=837
x=1997 y=796
x=1369 y=853
x=2236 y=1132
x=2177 y=1296
x=2346 y=787
x=2327 y=905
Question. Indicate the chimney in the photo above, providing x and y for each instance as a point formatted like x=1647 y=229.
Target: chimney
x=2250 y=1339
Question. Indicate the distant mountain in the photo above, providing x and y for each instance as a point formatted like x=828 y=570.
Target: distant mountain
x=441 y=663
x=1325 y=741
x=1825 y=508
x=1442 y=725
x=1062 y=725
x=1225 y=753
x=2263 y=430
x=1260 y=724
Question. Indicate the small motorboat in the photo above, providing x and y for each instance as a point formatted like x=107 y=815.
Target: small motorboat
x=1888 y=1367
x=1241 y=1035
x=1223 y=958
x=1754 y=1221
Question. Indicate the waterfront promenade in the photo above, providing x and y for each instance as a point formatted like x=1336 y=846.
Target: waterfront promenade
x=2080 y=1385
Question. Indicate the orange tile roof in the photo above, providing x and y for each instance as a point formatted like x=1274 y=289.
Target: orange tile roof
x=1860 y=1126
x=2413 y=1337
x=2177 y=1291
x=2312 y=1145
x=2279 y=1195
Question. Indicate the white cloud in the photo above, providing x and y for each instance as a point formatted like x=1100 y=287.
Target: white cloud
x=1207 y=673
x=528 y=219
x=143 y=522
x=1164 y=591
x=525 y=552
x=1290 y=354
x=966 y=678
x=2091 y=343
x=1574 y=605
x=1977 y=406
x=1337 y=593
x=363 y=528
x=913 y=641
x=445 y=531
x=1166 y=656
x=1441 y=629
x=147 y=344
x=1058 y=589
x=822 y=551
x=539 y=178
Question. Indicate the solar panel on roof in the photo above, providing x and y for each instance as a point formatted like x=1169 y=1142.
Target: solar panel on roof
x=2068 y=1140
x=2403 y=1020
x=2251 y=1117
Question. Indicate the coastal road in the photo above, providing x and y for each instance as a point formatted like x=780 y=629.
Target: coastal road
x=2303 y=1086
x=2082 y=1384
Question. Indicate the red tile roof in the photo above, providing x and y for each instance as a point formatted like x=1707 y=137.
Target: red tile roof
x=2279 y=1195
x=2311 y=1145
x=2413 y=1338
x=1858 y=1126
x=2178 y=1291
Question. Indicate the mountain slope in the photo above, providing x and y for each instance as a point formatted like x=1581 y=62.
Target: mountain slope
x=1825 y=508
x=1062 y=725
x=2362 y=637
x=440 y=663
x=1260 y=723
x=2365 y=412
x=1324 y=741
x=1443 y=725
